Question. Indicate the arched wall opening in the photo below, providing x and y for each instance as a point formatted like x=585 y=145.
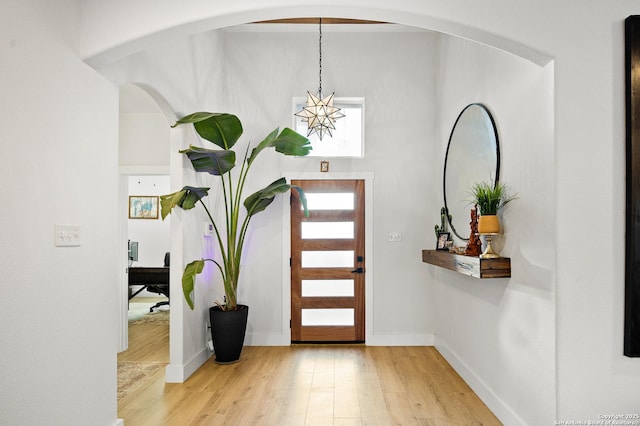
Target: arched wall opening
x=444 y=329
x=103 y=46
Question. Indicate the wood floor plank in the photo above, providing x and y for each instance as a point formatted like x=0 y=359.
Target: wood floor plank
x=347 y=421
x=346 y=402
x=320 y=410
x=390 y=380
x=147 y=394
x=399 y=409
x=372 y=404
x=286 y=407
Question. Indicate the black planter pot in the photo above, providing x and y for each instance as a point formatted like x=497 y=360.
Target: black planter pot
x=227 y=332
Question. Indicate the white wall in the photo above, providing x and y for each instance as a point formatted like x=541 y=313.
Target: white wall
x=501 y=333
x=58 y=165
x=591 y=160
x=144 y=134
x=144 y=140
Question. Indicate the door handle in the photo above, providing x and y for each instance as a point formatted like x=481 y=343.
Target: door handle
x=359 y=270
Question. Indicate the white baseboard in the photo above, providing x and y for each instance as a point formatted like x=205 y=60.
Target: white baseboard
x=180 y=373
x=267 y=339
x=491 y=400
x=119 y=422
x=273 y=339
x=400 y=340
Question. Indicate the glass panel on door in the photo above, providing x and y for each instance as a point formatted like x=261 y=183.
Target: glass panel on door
x=327 y=259
x=327 y=288
x=328 y=317
x=330 y=201
x=327 y=230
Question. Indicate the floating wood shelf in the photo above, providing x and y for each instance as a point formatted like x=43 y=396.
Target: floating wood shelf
x=473 y=266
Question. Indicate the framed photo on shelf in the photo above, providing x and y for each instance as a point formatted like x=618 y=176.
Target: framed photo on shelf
x=443 y=237
x=143 y=207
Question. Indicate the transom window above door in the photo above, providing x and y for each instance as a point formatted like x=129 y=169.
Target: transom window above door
x=347 y=140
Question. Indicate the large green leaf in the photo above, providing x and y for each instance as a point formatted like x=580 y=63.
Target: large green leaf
x=223 y=129
x=258 y=201
x=266 y=143
x=292 y=143
x=186 y=199
x=303 y=199
x=189 y=279
x=287 y=142
x=194 y=118
x=215 y=162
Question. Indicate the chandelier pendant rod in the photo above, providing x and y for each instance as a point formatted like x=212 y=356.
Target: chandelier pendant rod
x=320 y=58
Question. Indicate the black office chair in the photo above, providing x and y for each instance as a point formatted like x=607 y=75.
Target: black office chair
x=161 y=289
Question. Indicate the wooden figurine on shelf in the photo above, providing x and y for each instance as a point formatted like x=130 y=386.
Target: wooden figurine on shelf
x=474 y=246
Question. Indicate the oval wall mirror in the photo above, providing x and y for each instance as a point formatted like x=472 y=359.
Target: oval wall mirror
x=472 y=156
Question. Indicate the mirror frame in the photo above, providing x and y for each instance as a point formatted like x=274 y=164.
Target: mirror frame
x=446 y=159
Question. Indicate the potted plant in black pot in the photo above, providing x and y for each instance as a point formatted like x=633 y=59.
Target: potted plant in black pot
x=229 y=318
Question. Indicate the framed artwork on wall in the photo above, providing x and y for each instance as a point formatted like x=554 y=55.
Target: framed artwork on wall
x=143 y=207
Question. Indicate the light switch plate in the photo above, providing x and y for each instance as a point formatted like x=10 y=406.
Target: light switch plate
x=207 y=229
x=395 y=236
x=67 y=235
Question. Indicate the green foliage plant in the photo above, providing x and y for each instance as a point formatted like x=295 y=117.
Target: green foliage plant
x=224 y=130
x=490 y=197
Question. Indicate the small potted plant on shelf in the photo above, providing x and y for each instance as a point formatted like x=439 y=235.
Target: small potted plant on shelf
x=490 y=197
x=442 y=234
x=229 y=318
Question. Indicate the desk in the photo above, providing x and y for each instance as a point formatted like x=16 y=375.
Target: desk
x=155 y=279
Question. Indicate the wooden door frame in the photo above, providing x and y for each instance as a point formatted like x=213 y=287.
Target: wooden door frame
x=367 y=177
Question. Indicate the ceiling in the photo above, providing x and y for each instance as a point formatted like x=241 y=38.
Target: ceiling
x=134 y=100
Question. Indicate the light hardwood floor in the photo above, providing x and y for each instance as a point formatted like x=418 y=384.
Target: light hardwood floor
x=309 y=385
x=147 y=343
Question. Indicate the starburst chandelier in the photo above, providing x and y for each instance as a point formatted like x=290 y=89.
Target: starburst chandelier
x=319 y=112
